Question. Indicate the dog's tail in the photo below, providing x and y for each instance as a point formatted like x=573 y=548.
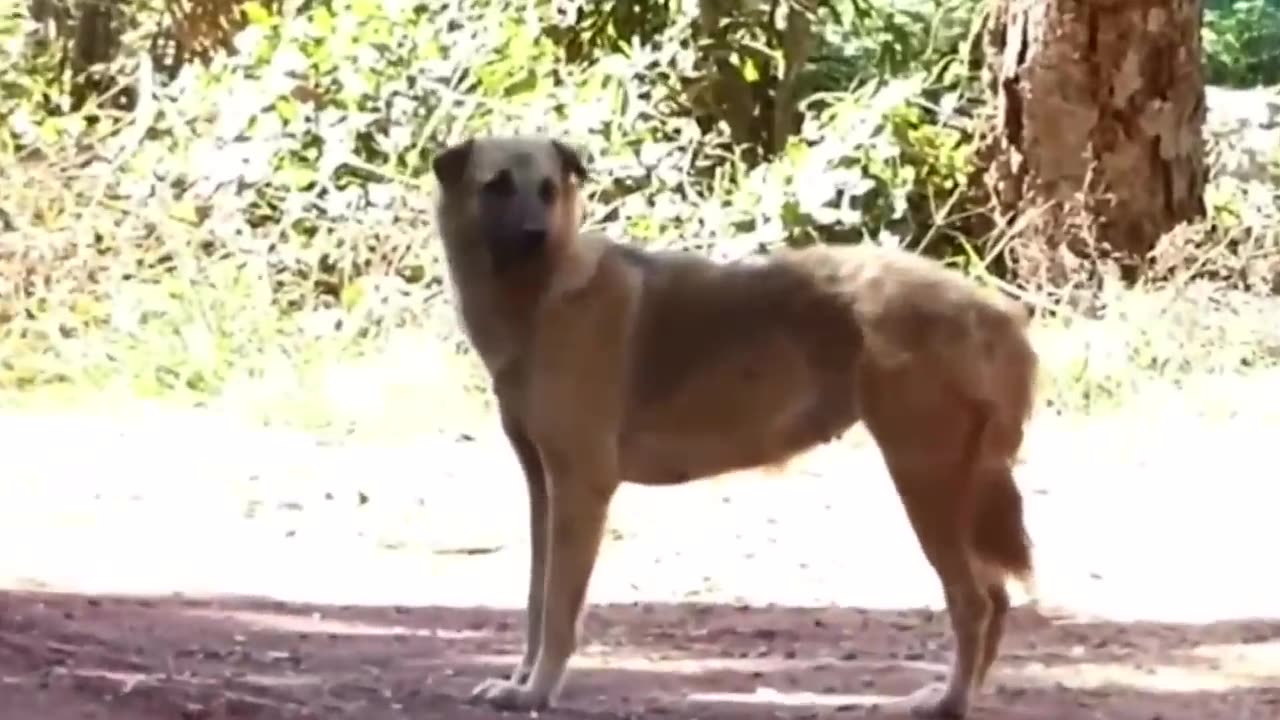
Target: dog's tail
x=1000 y=536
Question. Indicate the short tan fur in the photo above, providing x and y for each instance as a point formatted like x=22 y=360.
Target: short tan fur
x=613 y=364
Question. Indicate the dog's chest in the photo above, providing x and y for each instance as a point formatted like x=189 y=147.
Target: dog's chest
x=497 y=344
x=497 y=323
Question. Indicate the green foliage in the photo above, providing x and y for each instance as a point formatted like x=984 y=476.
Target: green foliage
x=877 y=164
x=23 y=71
x=863 y=40
x=1242 y=42
x=253 y=222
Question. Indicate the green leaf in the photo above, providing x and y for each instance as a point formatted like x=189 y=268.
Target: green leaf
x=49 y=132
x=185 y=211
x=257 y=14
x=351 y=296
x=364 y=9
x=322 y=22
x=298 y=177
x=287 y=108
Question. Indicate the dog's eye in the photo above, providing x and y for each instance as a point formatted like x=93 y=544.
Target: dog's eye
x=547 y=191
x=501 y=184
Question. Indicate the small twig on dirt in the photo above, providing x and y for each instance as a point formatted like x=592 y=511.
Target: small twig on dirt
x=1203 y=258
x=468 y=550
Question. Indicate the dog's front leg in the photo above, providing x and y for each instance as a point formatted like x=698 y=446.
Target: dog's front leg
x=582 y=484
x=535 y=478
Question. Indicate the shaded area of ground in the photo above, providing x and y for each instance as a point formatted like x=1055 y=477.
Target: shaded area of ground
x=1169 y=524
x=66 y=656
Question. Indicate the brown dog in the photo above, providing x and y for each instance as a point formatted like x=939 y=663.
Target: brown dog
x=610 y=363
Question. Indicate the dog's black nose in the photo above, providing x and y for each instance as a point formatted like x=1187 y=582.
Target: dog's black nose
x=533 y=237
x=518 y=246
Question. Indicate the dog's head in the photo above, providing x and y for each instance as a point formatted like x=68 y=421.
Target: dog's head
x=513 y=199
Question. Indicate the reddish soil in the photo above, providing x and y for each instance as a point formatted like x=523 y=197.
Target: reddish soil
x=68 y=656
x=1165 y=576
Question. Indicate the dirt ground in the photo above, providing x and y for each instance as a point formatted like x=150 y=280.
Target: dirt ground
x=283 y=579
x=69 y=657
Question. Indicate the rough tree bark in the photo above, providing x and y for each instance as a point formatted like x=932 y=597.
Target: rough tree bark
x=1097 y=148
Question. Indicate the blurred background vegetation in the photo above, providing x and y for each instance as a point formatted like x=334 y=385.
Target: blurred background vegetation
x=1242 y=42
x=223 y=202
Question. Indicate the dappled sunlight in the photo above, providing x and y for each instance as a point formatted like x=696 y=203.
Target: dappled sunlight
x=129 y=681
x=316 y=623
x=252 y=461
x=675 y=659
x=1142 y=675
x=1253 y=663
x=694 y=661
x=1255 y=655
x=772 y=697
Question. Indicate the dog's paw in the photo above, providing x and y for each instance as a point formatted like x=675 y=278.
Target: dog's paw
x=504 y=694
x=520 y=675
x=930 y=702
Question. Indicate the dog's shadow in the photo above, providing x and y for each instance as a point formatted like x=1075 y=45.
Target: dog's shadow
x=261 y=658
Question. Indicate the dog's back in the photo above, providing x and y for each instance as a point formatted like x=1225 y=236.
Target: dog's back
x=612 y=363
x=747 y=363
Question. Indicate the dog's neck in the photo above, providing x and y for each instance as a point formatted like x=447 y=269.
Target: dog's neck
x=517 y=293
x=577 y=265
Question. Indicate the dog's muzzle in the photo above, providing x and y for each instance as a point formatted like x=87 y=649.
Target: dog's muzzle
x=518 y=248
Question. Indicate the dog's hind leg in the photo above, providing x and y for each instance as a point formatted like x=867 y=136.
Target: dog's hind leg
x=1000 y=604
x=942 y=536
x=580 y=489
x=928 y=438
x=1001 y=541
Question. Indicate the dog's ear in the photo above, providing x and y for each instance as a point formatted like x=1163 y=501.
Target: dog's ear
x=449 y=164
x=570 y=159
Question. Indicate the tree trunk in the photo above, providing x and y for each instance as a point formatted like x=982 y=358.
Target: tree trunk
x=1097 y=149
x=97 y=41
x=761 y=111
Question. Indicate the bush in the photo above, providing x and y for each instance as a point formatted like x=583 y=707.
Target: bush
x=1242 y=42
x=256 y=220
